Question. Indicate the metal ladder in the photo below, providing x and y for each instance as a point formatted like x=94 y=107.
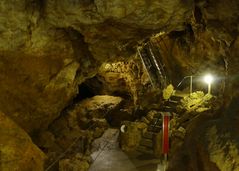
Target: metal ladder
x=151 y=59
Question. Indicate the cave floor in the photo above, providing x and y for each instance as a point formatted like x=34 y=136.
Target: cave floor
x=107 y=156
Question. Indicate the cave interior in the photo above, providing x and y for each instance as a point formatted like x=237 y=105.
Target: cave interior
x=99 y=85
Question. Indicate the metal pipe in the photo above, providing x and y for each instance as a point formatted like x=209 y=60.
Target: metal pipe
x=209 y=88
x=191 y=84
x=182 y=80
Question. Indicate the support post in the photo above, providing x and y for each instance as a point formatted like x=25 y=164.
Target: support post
x=165 y=138
x=165 y=162
x=191 y=84
x=209 y=88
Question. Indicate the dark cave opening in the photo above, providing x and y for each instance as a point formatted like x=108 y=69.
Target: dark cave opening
x=84 y=91
x=122 y=94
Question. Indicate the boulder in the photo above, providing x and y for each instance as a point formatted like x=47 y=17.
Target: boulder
x=79 y=162
x=83 y=122
x=74 y=164
x=17 y=151
x=210 y=144
x=97 y=106
x=168 y=92
x=91 y=110
x=130 y=139
x=196 y=101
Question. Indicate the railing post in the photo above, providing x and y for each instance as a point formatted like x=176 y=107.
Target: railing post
x=209 y=88
x=191 y=84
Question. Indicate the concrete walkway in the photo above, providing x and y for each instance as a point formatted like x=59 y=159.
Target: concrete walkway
x=109 y=157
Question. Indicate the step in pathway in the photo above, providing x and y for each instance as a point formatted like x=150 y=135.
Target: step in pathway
x=155 y=125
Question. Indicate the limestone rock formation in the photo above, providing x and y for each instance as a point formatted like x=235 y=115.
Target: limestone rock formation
x=210 y=144
x=196 y=101
x=96 y=107
x=77 y=163
x=49 y=47
x=130 y=139
x=75 y=130
x=123 y=77
x=123 y=22
x=17 y=151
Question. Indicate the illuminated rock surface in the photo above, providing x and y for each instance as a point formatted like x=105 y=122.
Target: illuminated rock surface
x=44 y=44
x=54 y=54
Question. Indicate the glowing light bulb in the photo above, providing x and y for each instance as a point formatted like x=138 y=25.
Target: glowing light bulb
x=208 y=79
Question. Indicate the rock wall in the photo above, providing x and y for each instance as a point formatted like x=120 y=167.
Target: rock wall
x=211 y=142
x=17 y=152
x=71 y=135
x=48 y=47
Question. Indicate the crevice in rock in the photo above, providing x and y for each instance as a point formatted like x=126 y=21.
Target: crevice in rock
x=198 y=15
x=81 y=48
x=95 y=85
x=88 y=63
x=36 y=7
x=125 y=95
x=84 y=91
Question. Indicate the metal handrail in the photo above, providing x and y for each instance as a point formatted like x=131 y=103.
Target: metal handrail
x=64 y=153
x=191 y=82
x=183 y=80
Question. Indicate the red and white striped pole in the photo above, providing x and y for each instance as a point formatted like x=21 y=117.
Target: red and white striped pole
x=165 y=139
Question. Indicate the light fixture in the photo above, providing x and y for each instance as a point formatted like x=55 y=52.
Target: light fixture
x=122 y=128
x=208 y=79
